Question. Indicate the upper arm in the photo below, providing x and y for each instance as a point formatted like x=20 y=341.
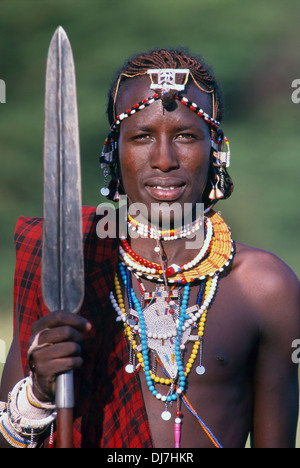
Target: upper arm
x=276 y=376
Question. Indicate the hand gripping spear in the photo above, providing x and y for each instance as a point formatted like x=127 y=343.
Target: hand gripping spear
x=62 y=253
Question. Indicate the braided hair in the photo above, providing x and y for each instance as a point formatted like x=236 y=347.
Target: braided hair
x=200 y=74
x=166 y=58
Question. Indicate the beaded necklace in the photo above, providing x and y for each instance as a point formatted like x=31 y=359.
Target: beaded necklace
x=160 y=325
x=215 y=255
x=154 y=268
x=167 y=235
x=136 y=326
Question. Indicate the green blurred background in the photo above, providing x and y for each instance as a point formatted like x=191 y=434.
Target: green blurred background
x=254 y=50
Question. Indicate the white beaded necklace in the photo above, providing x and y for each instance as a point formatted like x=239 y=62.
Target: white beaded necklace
x=154 y=233
x=174 y=268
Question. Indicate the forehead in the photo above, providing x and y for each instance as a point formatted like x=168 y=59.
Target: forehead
x=136 y=89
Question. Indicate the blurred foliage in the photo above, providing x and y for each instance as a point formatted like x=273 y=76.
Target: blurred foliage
x=253 y=49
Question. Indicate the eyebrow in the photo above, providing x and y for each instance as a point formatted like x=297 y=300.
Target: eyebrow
x=142 y=128
x=182 y=128
x=179 y=128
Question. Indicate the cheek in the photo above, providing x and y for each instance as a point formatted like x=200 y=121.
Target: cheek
x=197 y=165
x=130 y=168
x=199 y=183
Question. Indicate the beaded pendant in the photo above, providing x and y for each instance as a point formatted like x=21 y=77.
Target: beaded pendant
x=164 y=323
x=162 y=319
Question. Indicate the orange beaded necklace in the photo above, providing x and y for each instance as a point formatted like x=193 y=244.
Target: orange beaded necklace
x=218 y=256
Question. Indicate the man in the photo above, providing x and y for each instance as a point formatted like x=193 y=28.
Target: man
x=206 y=353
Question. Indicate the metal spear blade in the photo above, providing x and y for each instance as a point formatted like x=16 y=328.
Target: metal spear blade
x=62 y=258
x=62 y=253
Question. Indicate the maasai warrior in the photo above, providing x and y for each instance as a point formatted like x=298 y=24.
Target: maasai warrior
x=178 y=344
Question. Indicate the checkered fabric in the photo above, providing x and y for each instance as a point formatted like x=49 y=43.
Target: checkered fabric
x=110 y=410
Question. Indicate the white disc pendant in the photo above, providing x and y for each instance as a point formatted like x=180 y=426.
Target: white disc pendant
x=129 y=369
x=166 y=415
x=200 y=370
x=104 y=191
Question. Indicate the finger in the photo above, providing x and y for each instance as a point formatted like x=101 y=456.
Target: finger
x=44 y=382
x=62 y=365
x=59 y=318
x=51 y=361
x=60 y=334
x=57 y=366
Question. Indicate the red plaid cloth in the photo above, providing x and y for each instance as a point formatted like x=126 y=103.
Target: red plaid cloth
x=110 y=410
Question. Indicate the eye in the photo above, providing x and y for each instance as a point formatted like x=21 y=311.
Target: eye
x=186 y=136
x=142 y=137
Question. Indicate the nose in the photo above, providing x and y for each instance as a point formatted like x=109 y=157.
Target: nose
x=163 y=155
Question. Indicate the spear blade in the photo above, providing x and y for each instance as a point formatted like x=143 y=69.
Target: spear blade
x=62 y=273
x=62 y=253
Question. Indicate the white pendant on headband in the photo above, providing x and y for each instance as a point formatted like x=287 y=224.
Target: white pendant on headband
x=165 y=78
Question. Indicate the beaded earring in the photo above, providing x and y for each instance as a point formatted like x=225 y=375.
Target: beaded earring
x=105 y=190
x=222 y=158
x=109 y=188
x=107 y=159
x=221 y=185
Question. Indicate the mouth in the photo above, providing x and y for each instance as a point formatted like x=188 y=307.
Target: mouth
x=165 y=189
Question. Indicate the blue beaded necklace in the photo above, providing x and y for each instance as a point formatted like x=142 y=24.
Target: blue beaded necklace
x=133 y=301
x=172 y=395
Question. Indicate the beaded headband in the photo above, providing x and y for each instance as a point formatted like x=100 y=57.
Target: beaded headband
x=164 y=81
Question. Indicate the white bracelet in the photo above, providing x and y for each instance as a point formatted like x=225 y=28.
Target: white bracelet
x=28 y=416
x=10 y=435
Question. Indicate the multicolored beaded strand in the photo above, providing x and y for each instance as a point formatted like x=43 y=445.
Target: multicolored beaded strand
x=195 y=108
x=176 y=391
x=215 y=255
x=138 y=263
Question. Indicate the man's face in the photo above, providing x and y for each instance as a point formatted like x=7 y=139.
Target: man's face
x=164 y=155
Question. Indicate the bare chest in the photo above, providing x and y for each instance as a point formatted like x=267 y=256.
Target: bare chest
x=217 y=378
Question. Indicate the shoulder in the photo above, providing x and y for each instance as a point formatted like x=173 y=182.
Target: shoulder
x=255 y=265
x=267 y=283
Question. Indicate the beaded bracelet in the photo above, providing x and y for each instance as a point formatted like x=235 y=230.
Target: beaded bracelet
x=10 y=435
x=24 y=418
x=28 y=419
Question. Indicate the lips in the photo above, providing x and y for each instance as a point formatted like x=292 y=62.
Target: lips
x=165 y=189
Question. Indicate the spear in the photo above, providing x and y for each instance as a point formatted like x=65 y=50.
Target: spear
x=62 y=252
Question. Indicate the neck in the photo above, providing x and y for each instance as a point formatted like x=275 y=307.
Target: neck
x=177 y=251
x=178 y=245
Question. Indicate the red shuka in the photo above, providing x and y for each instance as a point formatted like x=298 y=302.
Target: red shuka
x=110 y=410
